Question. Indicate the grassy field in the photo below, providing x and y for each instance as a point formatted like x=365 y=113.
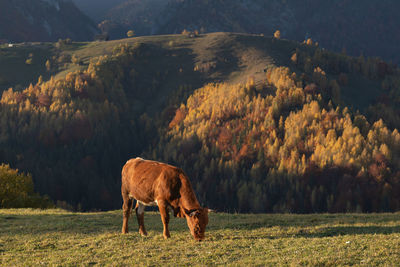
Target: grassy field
x=57 y=237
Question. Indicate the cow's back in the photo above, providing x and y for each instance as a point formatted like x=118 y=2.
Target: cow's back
x=147 y=180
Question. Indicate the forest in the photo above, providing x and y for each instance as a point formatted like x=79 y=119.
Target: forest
x=310 y=138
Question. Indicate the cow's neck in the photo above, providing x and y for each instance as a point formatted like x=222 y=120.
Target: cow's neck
x=188 y=199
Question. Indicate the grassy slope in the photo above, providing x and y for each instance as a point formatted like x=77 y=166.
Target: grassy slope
x=238 y=56
x=14 y=70
x=56 y=237
x=235 y=57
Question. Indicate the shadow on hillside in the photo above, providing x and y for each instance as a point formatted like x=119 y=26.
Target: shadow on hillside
x=350 y=230
x=303 y=233
x=308 y=226
x=321 y=232
x=255 y=221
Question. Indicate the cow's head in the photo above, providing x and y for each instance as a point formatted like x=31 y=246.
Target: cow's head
x=197 y=221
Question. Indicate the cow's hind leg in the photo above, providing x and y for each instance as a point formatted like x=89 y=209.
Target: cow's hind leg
x=140 y=217
x=163 y=207
x=126 y=209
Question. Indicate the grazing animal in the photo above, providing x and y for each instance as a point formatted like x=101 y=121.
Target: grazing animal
x=155 y=183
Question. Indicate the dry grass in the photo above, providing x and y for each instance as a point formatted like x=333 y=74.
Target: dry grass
x=61 y=238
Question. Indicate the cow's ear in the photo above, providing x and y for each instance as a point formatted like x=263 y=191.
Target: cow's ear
x=190 y=213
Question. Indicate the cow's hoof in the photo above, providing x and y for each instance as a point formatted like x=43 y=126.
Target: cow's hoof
x=124 y=231
x=143 y=233
x=166 y=236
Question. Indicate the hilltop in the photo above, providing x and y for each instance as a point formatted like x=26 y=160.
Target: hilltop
x=369 y=27
x=259 y=124
x=217 y=57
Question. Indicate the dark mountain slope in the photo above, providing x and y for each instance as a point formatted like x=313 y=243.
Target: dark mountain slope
x=97 y=9
x=368 y=27
x=41 y=20
x=141 y=16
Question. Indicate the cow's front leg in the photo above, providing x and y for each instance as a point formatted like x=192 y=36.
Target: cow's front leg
x=140 y=217
x=163 y=207
x=126 y=210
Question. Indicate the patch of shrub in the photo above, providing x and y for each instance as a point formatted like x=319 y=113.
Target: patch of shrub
x=16 y=190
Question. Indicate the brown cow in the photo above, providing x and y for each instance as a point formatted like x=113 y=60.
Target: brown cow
x=156 y=183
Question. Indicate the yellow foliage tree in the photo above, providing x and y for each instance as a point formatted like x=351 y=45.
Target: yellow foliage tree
x=130 y=33
x=277 y=34
x=16 y=190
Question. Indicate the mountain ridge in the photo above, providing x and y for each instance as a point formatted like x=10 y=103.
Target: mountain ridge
x=44 y=20
x=353 y=26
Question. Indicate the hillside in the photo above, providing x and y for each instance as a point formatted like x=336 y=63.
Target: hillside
x=57 y=237
x=368 y=27
x=43 y=20
x=96 y=9
x=259 y=124
x=28 y=60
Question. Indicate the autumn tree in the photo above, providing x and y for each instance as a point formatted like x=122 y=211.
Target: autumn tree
x=277 y=34
x=130 y=33
x=16 y=190
x=48 y=65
